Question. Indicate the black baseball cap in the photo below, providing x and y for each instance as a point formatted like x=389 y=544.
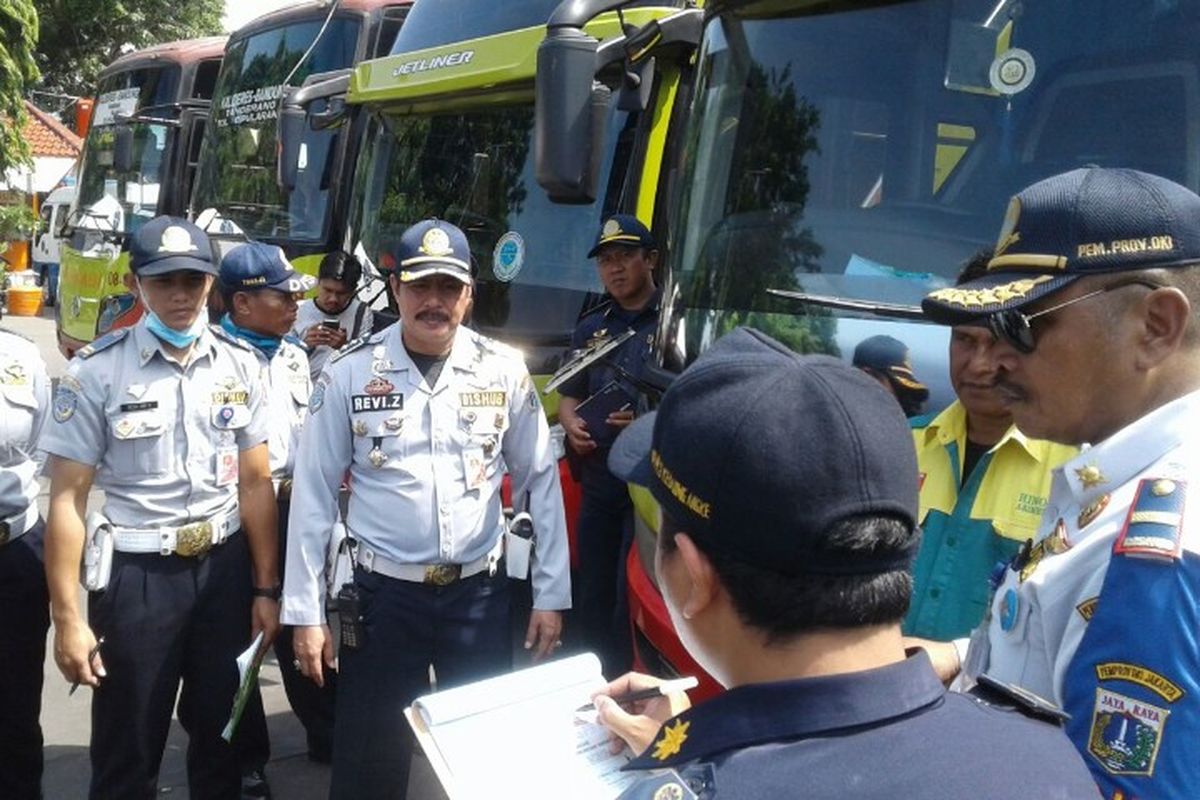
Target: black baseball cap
x=169 y=244
x=1089 y=221
x=258 y=265
x=623 y=229
x=757 y=452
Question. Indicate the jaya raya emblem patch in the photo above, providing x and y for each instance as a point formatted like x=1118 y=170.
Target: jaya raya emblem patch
x=1125 y=733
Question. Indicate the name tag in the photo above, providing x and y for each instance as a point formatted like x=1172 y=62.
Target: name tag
x=144 y=406
x=376 y=402
x=494 y=399
x=234 y=398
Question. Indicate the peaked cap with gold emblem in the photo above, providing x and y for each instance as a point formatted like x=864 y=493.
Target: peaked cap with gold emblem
x=170 y=244
x=433 y=247
x=1089 y=221
x=623 y=229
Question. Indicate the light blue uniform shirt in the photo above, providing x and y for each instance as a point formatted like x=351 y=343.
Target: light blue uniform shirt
x=24 y=406
x=425 y=465
x=155 y=431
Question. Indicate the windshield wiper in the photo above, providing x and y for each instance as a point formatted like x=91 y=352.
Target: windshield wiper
x=871 y=307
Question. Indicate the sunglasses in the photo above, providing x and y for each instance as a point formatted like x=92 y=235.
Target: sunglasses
x=1016 y=328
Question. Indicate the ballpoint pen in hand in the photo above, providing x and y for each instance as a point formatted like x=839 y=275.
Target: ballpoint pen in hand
x=95 y=651
x=663 y=689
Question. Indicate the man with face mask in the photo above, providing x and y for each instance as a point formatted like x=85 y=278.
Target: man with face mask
x=421 y=414
x=169 y=419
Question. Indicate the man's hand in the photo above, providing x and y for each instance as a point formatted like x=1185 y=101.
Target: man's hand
x=636 y=726
x=264 y=616
x=577 y=434
x=337 y=338
x=72 y=644
x=619 y=419
x=544 y=633
x=944 y=656
x=315 y=336
x=313 y=645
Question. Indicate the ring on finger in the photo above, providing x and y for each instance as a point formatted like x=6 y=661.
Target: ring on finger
x=296 y=663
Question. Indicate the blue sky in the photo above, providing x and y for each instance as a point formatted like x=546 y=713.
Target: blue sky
x=239 y=12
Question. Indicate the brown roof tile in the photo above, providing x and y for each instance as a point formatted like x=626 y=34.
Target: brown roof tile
x=49 y=137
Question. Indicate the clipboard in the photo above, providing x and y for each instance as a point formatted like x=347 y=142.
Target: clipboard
x=594 y=410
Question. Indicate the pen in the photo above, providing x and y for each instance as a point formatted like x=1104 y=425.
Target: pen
x=95 y=651
x=664 y=688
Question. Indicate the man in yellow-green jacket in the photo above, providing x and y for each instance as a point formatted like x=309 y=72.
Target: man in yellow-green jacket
x=983 y=489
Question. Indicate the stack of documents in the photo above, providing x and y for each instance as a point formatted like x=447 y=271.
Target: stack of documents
x=519 y=735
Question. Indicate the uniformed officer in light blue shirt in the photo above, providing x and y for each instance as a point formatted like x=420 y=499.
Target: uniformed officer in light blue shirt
x=168 y=418
x=426 y=415
x=24 y=605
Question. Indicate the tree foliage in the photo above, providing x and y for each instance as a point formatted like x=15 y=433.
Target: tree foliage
x=81 y=37
x=18 y=35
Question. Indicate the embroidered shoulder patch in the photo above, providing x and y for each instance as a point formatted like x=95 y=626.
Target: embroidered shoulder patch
x=1125 y=733
x=1154 y=526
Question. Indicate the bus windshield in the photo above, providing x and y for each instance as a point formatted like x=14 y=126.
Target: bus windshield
x=868 y=153
x=118 y=201
x=237 y=165
x=475 y=169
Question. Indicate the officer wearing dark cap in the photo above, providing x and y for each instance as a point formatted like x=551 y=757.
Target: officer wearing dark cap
x=788 y=493
x=260 y=289
x=886 y=359
x=169 y=419
x=1092 y=297
x=595 y=405
x=426 y=416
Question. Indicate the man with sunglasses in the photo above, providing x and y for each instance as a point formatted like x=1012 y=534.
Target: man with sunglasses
x=1091 y=298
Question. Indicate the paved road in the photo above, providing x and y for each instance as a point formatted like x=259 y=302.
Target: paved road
x=66 y=720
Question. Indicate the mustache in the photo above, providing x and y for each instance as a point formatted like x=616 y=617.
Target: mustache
x=1009 y=391
x=433 y=315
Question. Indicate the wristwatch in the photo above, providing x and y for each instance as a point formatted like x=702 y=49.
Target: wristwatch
x=269 y=592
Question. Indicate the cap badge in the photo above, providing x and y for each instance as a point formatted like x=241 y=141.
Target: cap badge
x=436 y=243
x=176 y=239
x=611 y=228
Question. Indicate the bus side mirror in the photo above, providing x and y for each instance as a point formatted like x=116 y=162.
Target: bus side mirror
x=569 y=113
x=122 y=148
x=289 y=134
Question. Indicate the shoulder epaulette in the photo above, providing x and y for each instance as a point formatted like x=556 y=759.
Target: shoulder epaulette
x=349 y=347
x=498 y=348
x=226 y=336
x=1154 y=527
x=103 y=343
x=11 y=332
x=993 y=692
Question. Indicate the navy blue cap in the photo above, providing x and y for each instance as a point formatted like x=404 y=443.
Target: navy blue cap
x=1086 y=222
x=623 y=229
x=170 y=244
x=433 y=247
x=757 y=452
x=888 y=356
x=257 y=265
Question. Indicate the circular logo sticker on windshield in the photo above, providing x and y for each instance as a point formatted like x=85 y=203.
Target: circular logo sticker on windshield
x=1012 y=71
x=508 y=257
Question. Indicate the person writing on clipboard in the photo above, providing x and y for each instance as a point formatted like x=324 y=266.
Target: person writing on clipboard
x=788 y=489
x=595 y=405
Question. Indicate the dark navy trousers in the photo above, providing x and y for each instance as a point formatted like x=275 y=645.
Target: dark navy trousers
x=24 y=621
x=602 y=537
x=167 y=620
x=313 y=704
x=462 y=630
